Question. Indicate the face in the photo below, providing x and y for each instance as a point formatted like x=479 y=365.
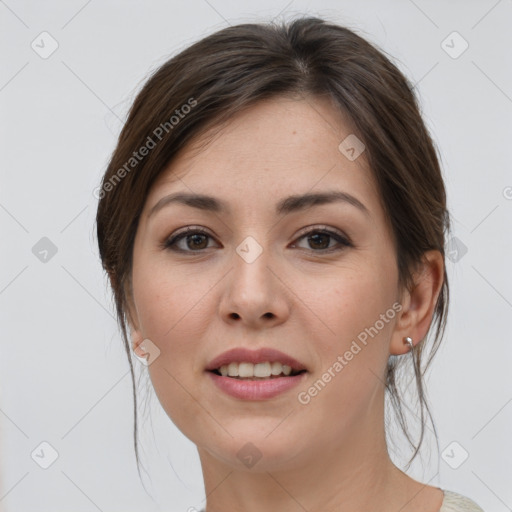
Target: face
x=290 y=284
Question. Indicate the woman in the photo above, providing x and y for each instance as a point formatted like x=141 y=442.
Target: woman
x=272 y=222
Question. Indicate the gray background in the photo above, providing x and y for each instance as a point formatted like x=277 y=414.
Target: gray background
x=64 y=374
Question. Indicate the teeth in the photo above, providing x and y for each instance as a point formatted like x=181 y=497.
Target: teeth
x=262 y=370
x=259 y=370
x=277 y=368
x=246 y=370
x=233 y=369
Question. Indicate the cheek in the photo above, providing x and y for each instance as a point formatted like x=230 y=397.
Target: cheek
x=172 y=315
x=354 y=350
x=354 y=303
x=170 y=303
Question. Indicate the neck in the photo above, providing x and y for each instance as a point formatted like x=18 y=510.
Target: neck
x=313 y=488
x=353 y=474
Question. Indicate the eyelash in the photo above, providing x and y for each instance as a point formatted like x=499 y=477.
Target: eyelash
x=170 y=243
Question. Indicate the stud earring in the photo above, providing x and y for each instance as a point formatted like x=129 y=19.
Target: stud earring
x=408 y=341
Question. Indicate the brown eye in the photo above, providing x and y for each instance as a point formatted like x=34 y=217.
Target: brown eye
x=196 y=241
x=320 y=240
x=190 y=240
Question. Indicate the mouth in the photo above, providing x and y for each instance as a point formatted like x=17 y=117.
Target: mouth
x=255 y=375
x=258 y=371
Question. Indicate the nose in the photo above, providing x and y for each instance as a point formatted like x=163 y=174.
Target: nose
x=255 y=293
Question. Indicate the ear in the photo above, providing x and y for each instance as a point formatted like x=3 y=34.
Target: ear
x=136 y=336
x=136 y=340
x=418 y=304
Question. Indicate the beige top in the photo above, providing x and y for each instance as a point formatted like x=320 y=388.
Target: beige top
x=452 y=502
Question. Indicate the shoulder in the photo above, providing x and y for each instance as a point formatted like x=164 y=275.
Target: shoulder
x=454 y=502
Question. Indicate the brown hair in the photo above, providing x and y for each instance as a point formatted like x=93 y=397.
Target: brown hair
x=236 y=67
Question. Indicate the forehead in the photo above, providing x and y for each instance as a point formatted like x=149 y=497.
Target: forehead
x=274 y=148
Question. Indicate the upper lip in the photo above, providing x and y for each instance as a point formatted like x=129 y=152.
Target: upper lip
x=262 y=355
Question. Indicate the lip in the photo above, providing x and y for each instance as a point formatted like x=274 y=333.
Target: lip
x=263 y=389
x=256 y=389
x=244 y=355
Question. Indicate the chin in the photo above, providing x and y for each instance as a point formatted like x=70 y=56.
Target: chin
x=259 y=457
x=255 y=444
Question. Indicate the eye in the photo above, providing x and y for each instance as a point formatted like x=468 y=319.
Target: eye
x=320 y=239
x=194 y=239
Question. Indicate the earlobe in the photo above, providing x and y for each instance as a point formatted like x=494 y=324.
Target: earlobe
x=137 y=342
x=136 y=336
x=132 y=319
x=419 y=303
x=403 y=326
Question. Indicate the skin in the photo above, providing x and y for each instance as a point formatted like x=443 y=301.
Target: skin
x=331 y=453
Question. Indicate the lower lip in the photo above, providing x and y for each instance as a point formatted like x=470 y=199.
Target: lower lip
x=256 y=389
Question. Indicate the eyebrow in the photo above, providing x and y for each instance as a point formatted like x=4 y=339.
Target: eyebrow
x=285 y=206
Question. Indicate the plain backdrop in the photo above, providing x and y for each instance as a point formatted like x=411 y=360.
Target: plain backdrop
x=65 y=396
